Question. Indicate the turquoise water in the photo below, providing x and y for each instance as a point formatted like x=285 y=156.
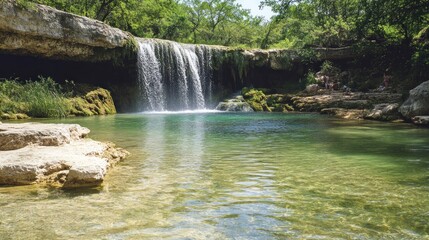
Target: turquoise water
x=238 y=176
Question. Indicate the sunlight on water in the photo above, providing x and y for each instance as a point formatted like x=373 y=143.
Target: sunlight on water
x=239 y=176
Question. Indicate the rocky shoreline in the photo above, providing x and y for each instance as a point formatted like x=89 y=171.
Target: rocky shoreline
x=380 y=106
x=54 y=154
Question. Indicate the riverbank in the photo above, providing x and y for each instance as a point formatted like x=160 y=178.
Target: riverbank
x=58 y=155
x=376 y=105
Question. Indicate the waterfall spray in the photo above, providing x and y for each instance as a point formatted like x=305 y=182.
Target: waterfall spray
x=174 y=76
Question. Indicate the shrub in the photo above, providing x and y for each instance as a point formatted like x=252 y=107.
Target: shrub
x=328 y=68
x=310 y=78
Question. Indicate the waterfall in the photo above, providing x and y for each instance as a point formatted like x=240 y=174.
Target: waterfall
x=173 y=76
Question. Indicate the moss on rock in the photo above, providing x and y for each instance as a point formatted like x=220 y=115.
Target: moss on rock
x=96 y=102
x=13 y=116
x=261 y=102
x=279 y=107
x=256 y=99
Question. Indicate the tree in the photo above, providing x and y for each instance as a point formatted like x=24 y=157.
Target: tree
x=342 y=22
x=97 y=9
x=398 y=20
x=222 y=22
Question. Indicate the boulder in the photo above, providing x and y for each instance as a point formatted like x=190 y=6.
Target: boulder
x=230 y=106
x=54 y=154
x=384 y=112
x=421 y=120
x=312 y=89
x=95 y=102
x=235 y=104
x=256 y=99
x=418 y=102
x=279 y=102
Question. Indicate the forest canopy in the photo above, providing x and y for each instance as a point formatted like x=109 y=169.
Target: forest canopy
x=297 y=23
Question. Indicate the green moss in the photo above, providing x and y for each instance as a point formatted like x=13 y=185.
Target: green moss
x=13 y=116
x=96 y=102
x=256 y=99
x=131 y=45
x=279 y=107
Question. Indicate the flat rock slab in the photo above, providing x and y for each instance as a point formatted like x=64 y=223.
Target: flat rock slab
x=56 y=154
x=15 y=136
x=315 y=103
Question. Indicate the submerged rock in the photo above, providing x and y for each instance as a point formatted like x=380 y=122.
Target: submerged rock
x=418 y=102
x=55 y=154
x=345 y=113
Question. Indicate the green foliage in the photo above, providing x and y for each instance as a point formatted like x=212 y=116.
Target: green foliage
x=308 y=55
x=310 y=78
x=42 y=98
x=328 y=68
x=222 y=22
x=302 y=23
x=397 y=20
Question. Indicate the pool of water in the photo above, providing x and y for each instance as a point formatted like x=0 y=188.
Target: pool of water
x=238 y=176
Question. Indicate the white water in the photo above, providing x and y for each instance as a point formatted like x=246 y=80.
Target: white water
x=173 y=76
x=150 y=78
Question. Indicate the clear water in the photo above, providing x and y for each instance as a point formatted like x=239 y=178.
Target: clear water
x=239 y=176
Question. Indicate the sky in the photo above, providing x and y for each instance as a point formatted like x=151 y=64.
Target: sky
x=253 y=5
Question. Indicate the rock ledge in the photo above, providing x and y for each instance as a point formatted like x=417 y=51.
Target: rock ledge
x=54 y=154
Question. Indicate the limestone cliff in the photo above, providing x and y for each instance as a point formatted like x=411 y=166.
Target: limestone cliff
x=39 y=30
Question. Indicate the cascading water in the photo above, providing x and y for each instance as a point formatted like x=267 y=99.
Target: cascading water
x=174 y=76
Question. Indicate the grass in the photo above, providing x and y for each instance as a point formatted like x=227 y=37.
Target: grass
x=42 y=98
